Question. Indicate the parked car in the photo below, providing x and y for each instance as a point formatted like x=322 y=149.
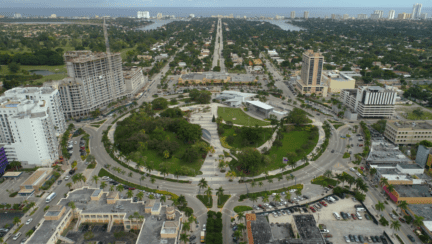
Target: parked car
x=402 y=220
x=412 y=239
x=347 y=240
x=353 y=216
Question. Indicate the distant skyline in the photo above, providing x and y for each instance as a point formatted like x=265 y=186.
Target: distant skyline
x=206 y=3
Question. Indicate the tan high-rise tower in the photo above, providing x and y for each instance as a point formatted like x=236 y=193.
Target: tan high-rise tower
x=311 y=73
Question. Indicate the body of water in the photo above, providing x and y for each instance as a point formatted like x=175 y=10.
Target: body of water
x=284 y=25
x=204 y=12
x=156 y=24
x=35 y=22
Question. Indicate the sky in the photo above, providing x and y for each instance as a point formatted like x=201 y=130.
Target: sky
x=208 y=3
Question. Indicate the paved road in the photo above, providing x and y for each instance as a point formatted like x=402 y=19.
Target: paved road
x=217 y=54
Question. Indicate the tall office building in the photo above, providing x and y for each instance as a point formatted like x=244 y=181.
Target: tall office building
x=391 y=14
x=90 y=85
x=311 y=74
x=292 y=14
x=27 y=130
x=143 y=15
x=306 y=14
x=370 y=101
x=378 y=14
x=50 y=96
x=416 y=11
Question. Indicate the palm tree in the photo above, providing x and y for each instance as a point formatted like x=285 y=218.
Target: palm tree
x=184 y=237
x=149 y=166
x=186 y=226
x=277 y=197
x=208 y=192
x=140 y=195
x=152 y=180
x=395 y=225
x=130 y=174
x=265 y=198
x=16 y=220
x=103 y=184
x=129 y=194
x=72 y=206
x=270 y=180
x=372 y=171
x=111 y=188
x=177 y=173
x=142 y=178
x=69 y=184
x=253 y=184
x=379 y=206
x=163 y=199
x=298 y=192
x=418 y=220
x=240 y=216
x=219 y=193
x=383 y=181
x=328 y=173
x=202 y=184
x=390 y=188
x=253 y=198
x=260 y=184
x=288 y=196
x=119 y=188
x=403 y=205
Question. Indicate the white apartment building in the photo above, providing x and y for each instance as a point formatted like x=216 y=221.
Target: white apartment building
x=27 y=131
x=306 y=14
x=134 y=80
x=191 y=16
x=370 y=101
x=52 y=98
x=391 y=14
x=143 y=15
x=91 y=84
x=292 y=14
x=416 y=12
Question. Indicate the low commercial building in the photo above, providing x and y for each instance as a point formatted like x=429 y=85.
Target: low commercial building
x=383 y=152
x=234 y=98
x=425 y=211
x=395 y=176
x=259 y=108
x=35 y=181
x=412 y=194
x=336 y=81
x=134 y=80
x=408 y=132
x=161 y=225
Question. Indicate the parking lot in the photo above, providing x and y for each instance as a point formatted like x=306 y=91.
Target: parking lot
x=12 y=185
x=100 y=234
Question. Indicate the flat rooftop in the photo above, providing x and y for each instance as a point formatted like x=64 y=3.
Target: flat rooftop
x=411 y=125
x=410 y=166
x=386 y=152
x=261 y=230
x=150 y=232
x=45 y=230
x=424 y=210
x=308 y=230
x=12 y=174
x=37 y=176
x=412 y=190
x=260 y=104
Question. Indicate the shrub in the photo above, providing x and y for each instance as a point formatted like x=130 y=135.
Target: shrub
x=239 y=209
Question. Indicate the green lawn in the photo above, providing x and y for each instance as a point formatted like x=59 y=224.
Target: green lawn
x=229 y=130
x=336 y=126
x=238 y=117
x=221 y=202
x=175 y=161
x=60 y=71
x=239 y=209
x=425 y=116
x=290 y=142
x=320 y=179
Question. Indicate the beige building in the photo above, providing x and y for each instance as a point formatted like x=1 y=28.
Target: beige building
x=134 y=80
x=404 y=16
x=408 y=132
x=97 y=206
x=310 y=80
x=336 y=81
x=35 y=181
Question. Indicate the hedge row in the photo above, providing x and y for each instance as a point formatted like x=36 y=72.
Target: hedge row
x=277 y=175
x=268 y=193
x=326 y=128
x=103 y=172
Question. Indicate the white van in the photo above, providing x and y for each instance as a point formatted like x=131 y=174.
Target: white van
x=50 y=197
x=358 y=215
x=336 y=215
x=361 y=209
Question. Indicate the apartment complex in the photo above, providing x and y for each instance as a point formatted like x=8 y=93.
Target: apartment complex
x=416 y=12
x=134 y=80
x=292 y=14
x=311 y=74
x=408 y=132
x=306 y=14
x=404 y=16
x=391 y=14
x=143 y=15
x=157 y=223
x=370 y=101
x=50 y=96
x=92 y=83
x=27 y=129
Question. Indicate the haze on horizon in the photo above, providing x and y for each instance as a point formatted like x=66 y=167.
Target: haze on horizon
x=206 y=3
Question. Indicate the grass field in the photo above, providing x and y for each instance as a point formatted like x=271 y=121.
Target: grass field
x=268 y=132
x=411 y=116
x=238 y=117
x=175 y=161
x=60 y=71
x=290 y=142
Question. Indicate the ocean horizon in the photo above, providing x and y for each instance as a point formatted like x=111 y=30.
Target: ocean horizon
x=202 y=11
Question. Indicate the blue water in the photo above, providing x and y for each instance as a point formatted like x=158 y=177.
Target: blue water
x=204 y=12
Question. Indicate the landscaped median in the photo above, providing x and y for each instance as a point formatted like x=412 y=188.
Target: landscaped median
x=322 y=180
x=103 y=172
x=277 y=175
x=207 y=201
x=222 y=200
x=239 y=209
x=268 y=193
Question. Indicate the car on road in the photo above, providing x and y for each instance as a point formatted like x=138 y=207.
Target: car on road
x=23 y=240
x=332 y=151
x=402 y=220
x=204 y=227
x=352 y=169
x=412 y=239
x=16 y=236
x=358 y=174
x=72 y=171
